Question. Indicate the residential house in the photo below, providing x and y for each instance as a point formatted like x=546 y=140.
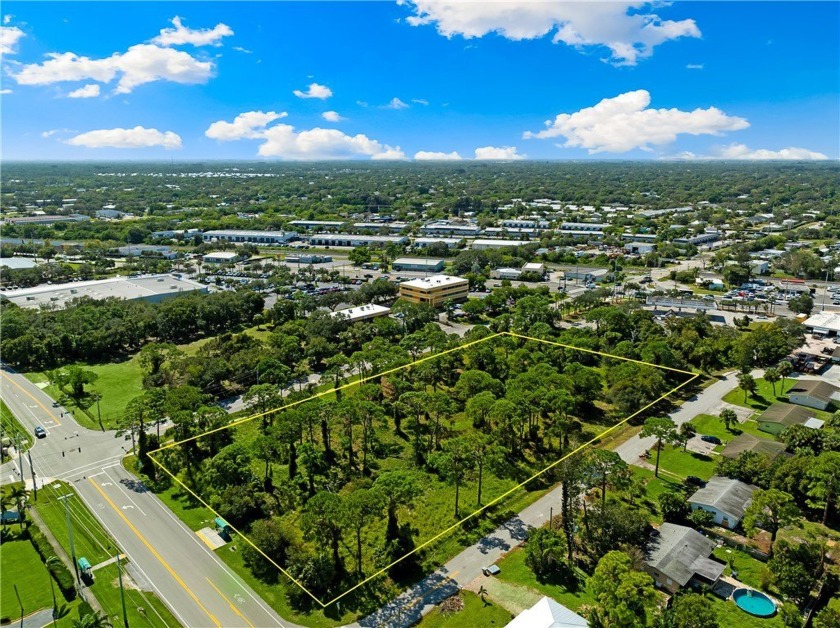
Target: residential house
x=815 y=394
x=547 y=613
x=780 y=416
x=725 y=498
x=747 y=442
x=678 y=556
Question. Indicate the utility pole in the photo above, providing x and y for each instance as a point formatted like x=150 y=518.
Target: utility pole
x=122 y=591
x=32 y=471
x=64 y=499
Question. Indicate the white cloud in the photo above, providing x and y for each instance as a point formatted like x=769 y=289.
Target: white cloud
x=425 y=155
x=395 y=103
x=242 y=50
x=742 y=152
x=624 y=123
x=362 y=103
x=503 y=153
x=332 y=116
x=138 y=137
x=694 y=66
x=181 y=35
x=9 y=37
x=420 y=101
x=314 y=91
x=628 y=28
x=281 y=140
x=5 y=91
x=250 y=125
x=90 y=90
x=140 y=64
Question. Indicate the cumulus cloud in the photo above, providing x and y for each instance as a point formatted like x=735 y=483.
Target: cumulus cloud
x=283 y=141
x=140 y=64
x=694 y=66
x=332 y=116
x=138 y=137
x=90 y=90
x=314 y=91
x=425 y=155
x=624 y=123
x=628 y=29
x=502 y=153
x=250 y=125
x=9 y=38
x=181 y=35
x=743 y=152
x=395 y=103
x=5 y=91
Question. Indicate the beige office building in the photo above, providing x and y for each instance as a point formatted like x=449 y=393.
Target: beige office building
x=435 y=289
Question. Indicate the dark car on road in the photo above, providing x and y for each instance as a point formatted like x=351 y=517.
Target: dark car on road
x=711 y=439
x=40 y=432
x=693 y=480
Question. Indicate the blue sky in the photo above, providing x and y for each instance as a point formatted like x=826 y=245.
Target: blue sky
x=422 y=79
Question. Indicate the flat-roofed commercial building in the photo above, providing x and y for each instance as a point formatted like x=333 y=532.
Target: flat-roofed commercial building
x=153 y=288
x=251 y=237
x=450 y=243
x=220 y=257
x=435 y=289
x=445 y=228
x=478 y=245
x=309 y=225
x=361 y=313
x=418 y=264
x=347 y=239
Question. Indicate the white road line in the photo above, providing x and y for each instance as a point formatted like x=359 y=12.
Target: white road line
x=119 y=486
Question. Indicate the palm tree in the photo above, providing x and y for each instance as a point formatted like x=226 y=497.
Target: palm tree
x=19 y=495
x=52 y=560
x=746 y=382
x=93 y=620
x=785 y=368
x=728 y=417
x=772 y=375
x=5 y=502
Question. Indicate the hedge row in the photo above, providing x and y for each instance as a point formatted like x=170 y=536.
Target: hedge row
x=62 y=576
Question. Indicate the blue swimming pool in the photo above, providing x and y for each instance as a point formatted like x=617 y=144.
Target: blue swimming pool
x=754 y=602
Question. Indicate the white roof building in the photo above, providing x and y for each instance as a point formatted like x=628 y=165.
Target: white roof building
x=362 y=312
x=220 y=257
x=548 y=613
x=434 y=281
x=824 y=322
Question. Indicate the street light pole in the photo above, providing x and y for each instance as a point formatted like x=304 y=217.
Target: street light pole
x=32 y=471
x=122 y=591
x=64 y=499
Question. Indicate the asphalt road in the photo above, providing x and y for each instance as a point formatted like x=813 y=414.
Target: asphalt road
x=166 y=556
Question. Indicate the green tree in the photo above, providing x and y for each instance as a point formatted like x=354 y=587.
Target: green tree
x=276 y=540
x=359 y=255
x=601 y=465
x=623 y=596
x=801 y=304
x=323 y=520
x=453 y=463
x=729 y=418
x=77 y=378
x=785 y=368
x=673 y=506
x=795 y=569
x=479 y=407
x=545 y=551
x=746 y=382
x=772 y=375
x=770 y=510
x=93 y=619
x=686 y=432
x=663 y=429
x=397 y=488
x=361 y=507
x=824 y=482
x=691 y=610
x=829 y=617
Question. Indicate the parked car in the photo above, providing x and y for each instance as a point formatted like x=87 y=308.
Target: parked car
x=40 y=432
x=711 y=439
x=492 y=570
x=693 y=480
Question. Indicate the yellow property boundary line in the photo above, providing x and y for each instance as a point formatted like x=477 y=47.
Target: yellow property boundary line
x=406 y=367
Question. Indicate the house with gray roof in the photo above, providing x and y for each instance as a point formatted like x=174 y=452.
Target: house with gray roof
x=548 y=613
x=678 y=556
x=744 y=442
x=725 y=498
x=780 y=416
x=815 y=394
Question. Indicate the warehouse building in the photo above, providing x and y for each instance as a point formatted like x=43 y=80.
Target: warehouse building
x=361 y=313
x=152 y=288
x=478 y=245
x=640 y=248
x=250 y=237
x=347 y=239
x=309 y=225
x=451 y=243
x=220 y=257
x=418 y=264
x=435 y=289
x=444 y=228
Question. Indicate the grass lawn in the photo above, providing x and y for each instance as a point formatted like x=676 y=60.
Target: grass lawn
x=728 y=614
x=92 y=542
x=763 y=396
x=749 y=569
x=22 y=567
x=514 y=570
x=713 y=426
x=474 y=613
x=12 y=428
x=683 y=463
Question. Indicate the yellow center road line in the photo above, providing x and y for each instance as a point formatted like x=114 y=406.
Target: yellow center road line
x=31 y=396
x=231 y=604
x=155 y=553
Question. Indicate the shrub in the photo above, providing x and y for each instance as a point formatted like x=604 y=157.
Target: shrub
x=58 y=570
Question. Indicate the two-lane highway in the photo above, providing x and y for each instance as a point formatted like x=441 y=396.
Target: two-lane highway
x=175 y=563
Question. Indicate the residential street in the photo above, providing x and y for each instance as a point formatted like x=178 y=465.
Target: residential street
x=166 y=557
